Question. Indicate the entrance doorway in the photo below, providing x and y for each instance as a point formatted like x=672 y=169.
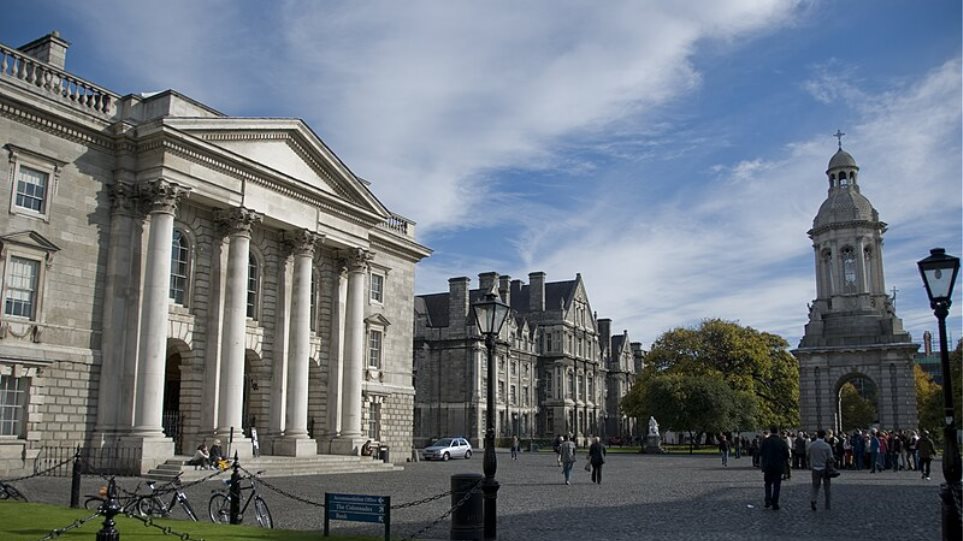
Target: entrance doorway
x=173 y=420
x=857 y=403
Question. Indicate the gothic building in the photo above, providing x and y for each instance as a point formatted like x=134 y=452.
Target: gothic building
x=853 y=334
x=172 y=274
x=558 y=370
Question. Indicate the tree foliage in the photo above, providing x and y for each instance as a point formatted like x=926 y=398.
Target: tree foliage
x=856 y=411
x=752 y=371
x=929 y=402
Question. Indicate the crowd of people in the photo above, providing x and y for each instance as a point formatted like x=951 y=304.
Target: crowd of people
x=874 y=450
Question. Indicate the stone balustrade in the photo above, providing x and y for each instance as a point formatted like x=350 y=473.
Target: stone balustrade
x=399 y=225
x=58 y=84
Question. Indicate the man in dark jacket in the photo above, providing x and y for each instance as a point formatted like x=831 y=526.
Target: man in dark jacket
x=773 y=454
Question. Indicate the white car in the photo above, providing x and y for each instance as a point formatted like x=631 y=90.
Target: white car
x=447 y=448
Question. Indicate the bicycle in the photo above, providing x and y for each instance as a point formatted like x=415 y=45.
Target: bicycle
x=219 y=508
x=128 y=502
x=152 y=505
x=9 y=492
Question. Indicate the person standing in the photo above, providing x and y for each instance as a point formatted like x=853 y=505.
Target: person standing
x=819 y=455
x=566 y=454
x=874 y=452
x=926 y=450
x=596 y=454
x=774 y=457
x=515 y=448
x=724 y=449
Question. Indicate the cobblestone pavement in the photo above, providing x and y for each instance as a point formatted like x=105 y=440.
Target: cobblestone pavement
x=667 y=497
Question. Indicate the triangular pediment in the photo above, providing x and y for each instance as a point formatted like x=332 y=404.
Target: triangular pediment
x=378 y=320
x=30 y=239
x=287 y=147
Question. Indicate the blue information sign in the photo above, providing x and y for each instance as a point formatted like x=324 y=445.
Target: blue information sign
x=357 y=508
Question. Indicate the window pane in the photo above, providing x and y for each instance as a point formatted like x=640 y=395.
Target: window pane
x=21 y=287
x=252 y=280
x=13 y=404
x=374 y=349
x=31 y=189
x=179 y=267
x=377 y=287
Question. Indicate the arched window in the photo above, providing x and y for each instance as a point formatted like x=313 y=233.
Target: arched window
x=314 y=302
x=180 y=267
x=253 y=279
x=842 y=179
x=849 y=266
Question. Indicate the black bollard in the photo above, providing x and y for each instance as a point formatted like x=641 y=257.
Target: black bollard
x=75 y=482
x=467 y=520
x=110 y=509
x=235 y=493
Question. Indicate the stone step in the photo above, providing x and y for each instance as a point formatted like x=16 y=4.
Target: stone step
x=277 y=466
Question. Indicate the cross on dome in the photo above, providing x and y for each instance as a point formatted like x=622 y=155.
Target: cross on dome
x=839 y=135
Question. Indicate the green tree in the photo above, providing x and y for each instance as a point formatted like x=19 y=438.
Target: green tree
x=856 y=411
x=929 y=403
x=756 y=365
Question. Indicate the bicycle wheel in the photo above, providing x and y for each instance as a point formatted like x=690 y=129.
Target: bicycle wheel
x=188 y=509
x=9 y=492
x=93 y=503
x=219 y=509
x=150 y=507
x=262 y=513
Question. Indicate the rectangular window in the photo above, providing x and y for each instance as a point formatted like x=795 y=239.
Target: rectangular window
x=374 y=421
x=22 y=287
x=513 y=395
x=377 y=287
x=374 y=348
x=525 y=396
x=32 y=189
x=13 y=405
x=501 y=391
x=571 y=385
x=252 y=282
x=514 y=368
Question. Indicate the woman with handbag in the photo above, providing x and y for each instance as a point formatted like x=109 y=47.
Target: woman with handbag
x=596 y=455
x=820 y=456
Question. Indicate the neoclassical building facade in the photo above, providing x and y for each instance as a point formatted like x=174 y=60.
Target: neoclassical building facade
x=853 y=334
x=173 y=275
x=559 y=371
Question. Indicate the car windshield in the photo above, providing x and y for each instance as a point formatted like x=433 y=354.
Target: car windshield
x=444 y=442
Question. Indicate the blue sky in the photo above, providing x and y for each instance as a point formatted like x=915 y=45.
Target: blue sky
x=673 y=153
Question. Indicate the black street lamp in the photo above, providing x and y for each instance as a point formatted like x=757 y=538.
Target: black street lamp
x=490 y=315
x=939 y=274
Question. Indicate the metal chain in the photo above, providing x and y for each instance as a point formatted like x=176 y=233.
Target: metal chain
x=419 y=502
x=454 y=508
x=280 y=491
x=37 y=474
x=167 y=530
x=73 y=525
x=10 y=492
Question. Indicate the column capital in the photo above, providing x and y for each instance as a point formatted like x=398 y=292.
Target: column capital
x=356 y=259
x=237 y=220
x=301 y=242
x=124 y=198
x=163 y=195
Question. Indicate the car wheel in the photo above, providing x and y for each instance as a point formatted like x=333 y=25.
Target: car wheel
x=467 y=455
x=445 y=457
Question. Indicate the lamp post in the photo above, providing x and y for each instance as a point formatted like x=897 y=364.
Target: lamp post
x=939 y=274
x=490 y=315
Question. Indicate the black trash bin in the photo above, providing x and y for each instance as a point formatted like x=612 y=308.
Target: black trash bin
x=467 y=522
x=383 y=455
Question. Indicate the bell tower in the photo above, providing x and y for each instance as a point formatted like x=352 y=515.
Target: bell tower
x=853 y=334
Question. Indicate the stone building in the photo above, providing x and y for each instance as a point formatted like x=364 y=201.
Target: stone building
x=172 y=274
x=552 y=377
x=623 y=361
x=853 y=334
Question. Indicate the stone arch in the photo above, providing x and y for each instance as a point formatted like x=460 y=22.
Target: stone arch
x=867 y=388
x=176 y=397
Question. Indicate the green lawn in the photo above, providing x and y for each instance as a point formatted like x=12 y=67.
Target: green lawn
x=32 y=521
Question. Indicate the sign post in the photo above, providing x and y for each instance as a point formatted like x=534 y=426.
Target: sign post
x=357 y=508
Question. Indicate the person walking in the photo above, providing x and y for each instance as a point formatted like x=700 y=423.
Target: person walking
x=596 y=455
x=556 y=446
x=724 y=450
x=774 y=457
x=566 y=454
x=926 y=450
x=819 y=455
x=515 y=447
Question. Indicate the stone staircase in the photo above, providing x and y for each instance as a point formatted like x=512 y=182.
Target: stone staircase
x=278 y=466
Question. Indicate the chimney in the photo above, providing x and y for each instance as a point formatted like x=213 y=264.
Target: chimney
x=50 y=49
x=638 y=355
x=486 y=281
x=516 y=288
x=605 y=332
x=505 y=289
x=927 y=343
x=458 y=302
x=536 y=291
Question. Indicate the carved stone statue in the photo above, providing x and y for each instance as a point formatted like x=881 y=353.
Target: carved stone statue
x=653 y=426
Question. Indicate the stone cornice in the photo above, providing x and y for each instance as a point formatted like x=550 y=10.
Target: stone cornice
x=398 y=246
x=54 y=124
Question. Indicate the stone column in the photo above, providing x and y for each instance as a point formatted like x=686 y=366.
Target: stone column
x=238 y=223
x=163 y=197
x=295 y=441
x=336 y=356
x=115 y=396
x=351 y=435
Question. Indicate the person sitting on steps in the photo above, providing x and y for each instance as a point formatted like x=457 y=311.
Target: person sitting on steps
x=201 y=458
